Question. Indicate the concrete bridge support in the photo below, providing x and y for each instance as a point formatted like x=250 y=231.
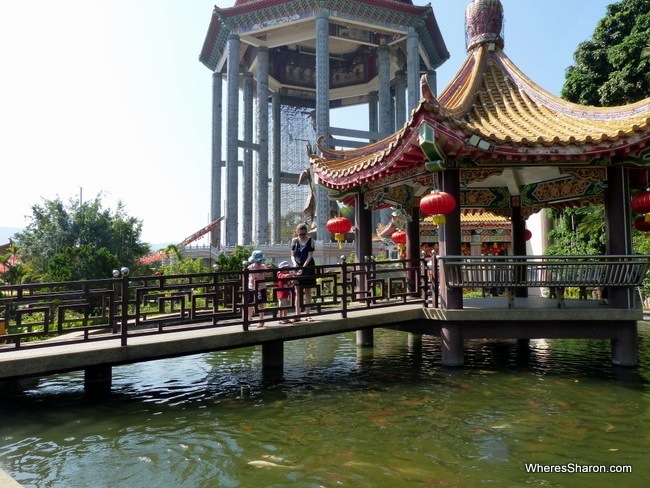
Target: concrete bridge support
x=451 y=337
x=273 y=355
x=98 y=380
x=625 y=347
x=365 y=338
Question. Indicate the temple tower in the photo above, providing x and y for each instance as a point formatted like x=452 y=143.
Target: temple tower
x=311 y=55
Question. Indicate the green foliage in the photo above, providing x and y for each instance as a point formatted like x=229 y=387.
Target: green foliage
x=234 y=260
x=14 y=270
x=578 y=231
x=347 y=212
x=80 y=263
x=641 y=245
x=57 y=232
x=612 y=67
x=185 y=266
x=288 y=224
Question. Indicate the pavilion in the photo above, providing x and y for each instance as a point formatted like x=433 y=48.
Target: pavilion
x=496 y=141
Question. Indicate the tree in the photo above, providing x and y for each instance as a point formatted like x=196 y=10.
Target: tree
x=645 y=54
x=611 y=68
x=79 y=240
x=288 y=223
x=13 y=270
x=573 y=232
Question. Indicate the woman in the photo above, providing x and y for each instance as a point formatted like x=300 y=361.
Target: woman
x=302 y=256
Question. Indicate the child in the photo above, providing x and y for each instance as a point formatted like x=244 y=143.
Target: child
x=257 y=286
x=285 y=290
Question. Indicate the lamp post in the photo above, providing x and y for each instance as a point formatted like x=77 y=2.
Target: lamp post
x=124 y=301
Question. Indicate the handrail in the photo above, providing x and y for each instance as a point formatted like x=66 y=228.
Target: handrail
x=544 y=271
x=125 y=306
x=609 y=270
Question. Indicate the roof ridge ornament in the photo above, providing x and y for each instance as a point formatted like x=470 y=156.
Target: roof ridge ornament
x=484 y=23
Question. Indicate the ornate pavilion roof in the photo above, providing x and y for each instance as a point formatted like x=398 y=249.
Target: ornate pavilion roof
x=508 y=135
x=256 y=19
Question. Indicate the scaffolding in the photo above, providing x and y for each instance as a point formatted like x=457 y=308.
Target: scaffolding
x=297 y=132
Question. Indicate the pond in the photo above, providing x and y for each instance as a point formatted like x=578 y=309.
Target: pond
x=344 y=416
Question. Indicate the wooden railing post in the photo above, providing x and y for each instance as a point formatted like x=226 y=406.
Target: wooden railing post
x=246 y=297
x=344 y=287
x=112 y=311
x=124 y=322
x=424 y=279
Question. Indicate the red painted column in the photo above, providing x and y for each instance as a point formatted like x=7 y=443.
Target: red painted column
x=450 y=241
x=413 y=233
x=413 y=243
x=618 y=226
x=363 y=217
x=518 y=237
x=450 y=238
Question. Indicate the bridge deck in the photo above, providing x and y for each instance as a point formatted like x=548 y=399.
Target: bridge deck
x=487 y=317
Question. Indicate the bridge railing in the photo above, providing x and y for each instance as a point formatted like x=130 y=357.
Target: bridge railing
x=510 y=272
x=48 y=314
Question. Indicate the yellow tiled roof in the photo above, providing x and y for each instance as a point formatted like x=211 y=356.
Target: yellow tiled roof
x=478 y=219
x=490 y=96
x=492 y=111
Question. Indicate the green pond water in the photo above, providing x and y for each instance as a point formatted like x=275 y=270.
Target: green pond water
x=390 y=416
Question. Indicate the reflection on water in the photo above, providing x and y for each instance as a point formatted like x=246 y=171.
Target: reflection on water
x=342 y=416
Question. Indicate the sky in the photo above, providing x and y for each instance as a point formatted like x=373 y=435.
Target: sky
x=108 y=98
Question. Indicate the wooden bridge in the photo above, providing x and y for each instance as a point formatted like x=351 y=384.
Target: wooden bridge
x=95 y=325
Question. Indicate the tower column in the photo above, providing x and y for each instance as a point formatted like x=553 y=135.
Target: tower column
x=247 y=170
x=215 y=192
x=385 y=113
x=413 y=69
x=232 y=131
x=261 y=235
x=383 y=65
x=373 y=126
x=373 y=119
x=400 y=99
x=276 y=204
x=432 y=81
x=322 y=111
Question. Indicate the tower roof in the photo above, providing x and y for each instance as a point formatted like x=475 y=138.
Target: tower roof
x=262 y=22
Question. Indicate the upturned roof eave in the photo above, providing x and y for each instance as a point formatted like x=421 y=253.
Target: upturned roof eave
x=601 y=132
x=455 y=139
x=435 y=48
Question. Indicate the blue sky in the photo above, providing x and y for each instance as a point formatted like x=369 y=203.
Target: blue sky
x=109 y=96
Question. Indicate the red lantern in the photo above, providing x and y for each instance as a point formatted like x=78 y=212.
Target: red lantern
x=641 y=203
x=642 y=224
x=339 y=226
x=399 y=238
x=527 y=234
x=437 y=202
